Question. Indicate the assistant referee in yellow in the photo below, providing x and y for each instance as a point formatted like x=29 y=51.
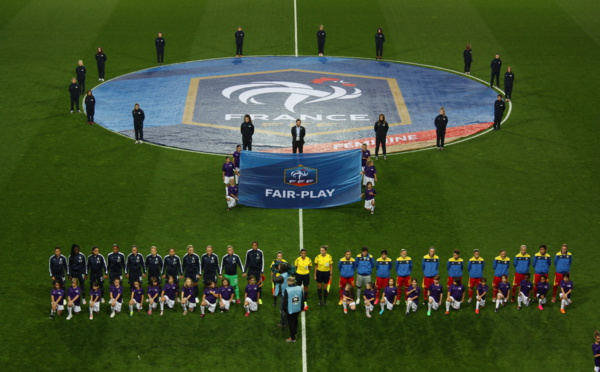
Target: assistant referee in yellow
x=323 y=271
x=303 y=265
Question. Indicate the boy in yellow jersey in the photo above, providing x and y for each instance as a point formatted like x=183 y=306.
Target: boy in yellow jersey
x=323 y=271
x=303 y=265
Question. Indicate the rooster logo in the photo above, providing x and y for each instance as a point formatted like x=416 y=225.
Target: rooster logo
x=298 y=93
x=299 y=174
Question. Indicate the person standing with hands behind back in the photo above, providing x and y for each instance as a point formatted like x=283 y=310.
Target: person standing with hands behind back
x=247 y=130
x=138 y=123
x=509 y=78
x=80 y=72
x=496 y=65
x=298 y=133
x=160 y=48
x=100 y=61
x=379 y=40
x=75 y=91
x=468 y=58
x=90 y=107
x=381 y=128
x=321 y=35
x=239 y=42
x=441 y=122
x=499 y=107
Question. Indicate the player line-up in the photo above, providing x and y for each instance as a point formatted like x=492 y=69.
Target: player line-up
x=192 y=267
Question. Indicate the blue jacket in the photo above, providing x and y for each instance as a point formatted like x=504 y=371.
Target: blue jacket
x=364 y=265
x=430 y=265
x=347 y=267
x=541 y=263
x=403 y=266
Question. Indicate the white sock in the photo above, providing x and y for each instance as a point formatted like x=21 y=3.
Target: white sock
x=184 y=307
x=247 y=308
x=477 y=305
x=382 y=305
x=447 y=306
x=408 y=303
x=498 y=303
x=202 y=309
x=563 y=303
x=367 y=309
x=358 y=294
x=162 y=306
x=345 y=305
x=91 y=310
x=130 y=307
x=70 y=310
x=372 y=208
x=519 y=301
x=52 y=312
x=112 y=309
x=429 y=306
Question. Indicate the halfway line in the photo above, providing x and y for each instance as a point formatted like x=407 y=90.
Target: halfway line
x=302 y=316
x=296 y=49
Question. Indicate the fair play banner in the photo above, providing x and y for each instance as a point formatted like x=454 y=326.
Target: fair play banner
x=299 y=181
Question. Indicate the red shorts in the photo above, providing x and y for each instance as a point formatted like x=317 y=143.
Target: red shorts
x=518 y=278
x=381 y=283
x=536 y=278
x=473 y=282
x=344 y=281
x=427 y=282
x=497 y=279
x=558 y=277
x=451 y=280
x=402 y=281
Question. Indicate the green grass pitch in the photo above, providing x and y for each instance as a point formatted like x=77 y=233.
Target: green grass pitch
x=535 y=182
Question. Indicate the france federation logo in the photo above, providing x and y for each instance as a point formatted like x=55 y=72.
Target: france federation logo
x=300 y=176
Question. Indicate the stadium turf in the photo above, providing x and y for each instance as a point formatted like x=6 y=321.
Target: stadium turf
x=534 y=182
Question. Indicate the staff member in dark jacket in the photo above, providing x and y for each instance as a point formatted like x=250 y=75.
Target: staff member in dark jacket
x=75 y=91
x=154 y=265
x=100 y=61
x=80 y=72
x=292 y=305
x=209 y=266
x=468 y=58
x=138 y=123
x=97 y=270
x=239 y=42
x=58 y=267
x=509 y=78
x=381 y=128
x=160 y=48
x=321 y=35
x=90 y=107
x=115 y=264
x=298 y=133
x=499 y=107
x=379 y=40
x=441 y=122
x=496 y=65
x=172 y=266
x=78 y=268
x=247 y=130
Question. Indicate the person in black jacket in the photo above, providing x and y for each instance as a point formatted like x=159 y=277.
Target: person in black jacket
x=496 y=65
x=239 y=42
x=138 y=123
x=209 y=266
x=379 y=40
x=247 y=130
x=499 y=107
x=441 y=121
x=160 y=43
x=80 y=72
x=97 y=270
x=468 y=58
x=298 y=133
x=90 y=107
x=321 y=35
x=78 y=268
x=100 y=61
x=509 y=78
x=381 y=128
x=75 y=91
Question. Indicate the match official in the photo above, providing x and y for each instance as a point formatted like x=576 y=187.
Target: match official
x=298 y=133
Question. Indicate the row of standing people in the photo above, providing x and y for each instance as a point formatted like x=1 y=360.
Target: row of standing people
x=496 y=68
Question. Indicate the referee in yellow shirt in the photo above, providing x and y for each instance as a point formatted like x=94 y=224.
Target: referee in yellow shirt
x=323 y=271
x=303 y=265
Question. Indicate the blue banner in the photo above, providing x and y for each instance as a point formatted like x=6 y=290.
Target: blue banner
x=299 y=181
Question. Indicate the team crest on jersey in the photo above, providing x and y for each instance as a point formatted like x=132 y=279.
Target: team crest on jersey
x=300 y=176
x=295 y=300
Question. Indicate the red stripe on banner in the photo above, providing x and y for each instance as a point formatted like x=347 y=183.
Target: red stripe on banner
x=452 y=133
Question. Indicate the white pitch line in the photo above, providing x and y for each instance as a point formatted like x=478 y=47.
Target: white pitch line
x=295 y=29
x=302 y=315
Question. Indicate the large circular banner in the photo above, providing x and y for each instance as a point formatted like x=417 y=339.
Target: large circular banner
x=200 y=105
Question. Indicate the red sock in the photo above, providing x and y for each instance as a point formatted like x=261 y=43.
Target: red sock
x=514 y=290
x=534 y=291
x=341 y=294
x=495 y=292
x=425 y=295
x=554 y=291
x=470 y=293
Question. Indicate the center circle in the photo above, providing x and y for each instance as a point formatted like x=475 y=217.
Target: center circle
x=200 y=105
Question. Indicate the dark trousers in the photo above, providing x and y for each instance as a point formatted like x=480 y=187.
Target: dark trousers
x=297 y=146
x=97 y=278
x=508 y=91
x=497 y=121
x=82 y=84
x=90 y=116
x=467 y=66
x=113 y=276
x=79 y=277
x=379 y=141
x=379 y=50
x=139 y=132
x=75 y=101
x=440 y=136
x=292 y=320
x=247 y=145
x=100 y=70
x=160 y=55
x=321 y=47
x=497 y=76
x=238 y=49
